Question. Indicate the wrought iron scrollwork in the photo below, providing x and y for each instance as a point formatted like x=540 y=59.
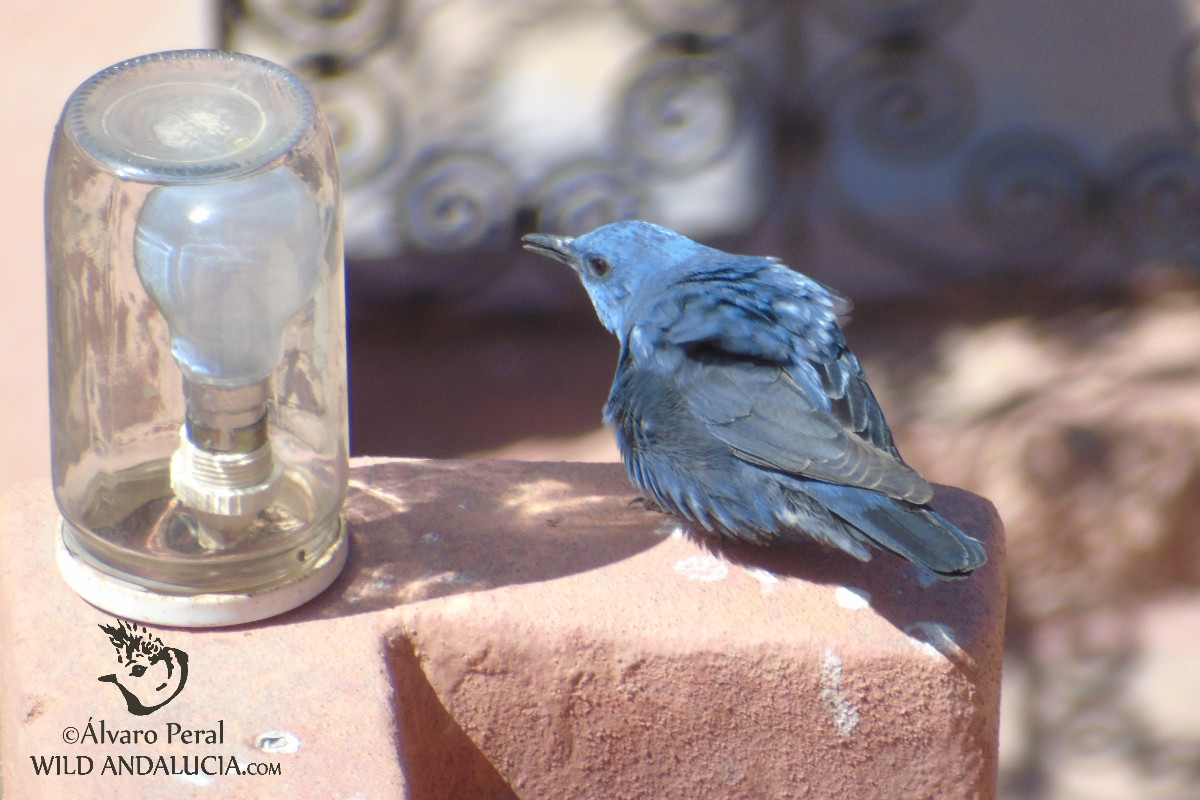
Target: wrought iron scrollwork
x=1030 y=194
x=458 y=200
x=682 y=111
x=903 y=104
x=1157 y=200
x=585 y=194
x=405 y=85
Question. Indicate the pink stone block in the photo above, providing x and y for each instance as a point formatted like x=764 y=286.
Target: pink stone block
x=509 y=629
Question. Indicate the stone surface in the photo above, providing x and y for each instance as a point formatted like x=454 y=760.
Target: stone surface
x=318 y=682
x=1083 y=426
x=508 y=629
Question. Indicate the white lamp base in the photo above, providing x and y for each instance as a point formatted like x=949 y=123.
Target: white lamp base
x=132 y=602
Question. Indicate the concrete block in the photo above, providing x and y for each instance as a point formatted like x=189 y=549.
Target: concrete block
x=508 y=629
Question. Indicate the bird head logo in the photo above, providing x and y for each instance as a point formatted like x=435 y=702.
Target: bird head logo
x=151 y=673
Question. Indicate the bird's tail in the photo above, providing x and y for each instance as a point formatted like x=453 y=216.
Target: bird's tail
x=917 y=533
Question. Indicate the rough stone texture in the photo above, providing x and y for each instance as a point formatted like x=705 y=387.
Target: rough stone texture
x=317 y=679
x=1083 y=426
x=509 y=629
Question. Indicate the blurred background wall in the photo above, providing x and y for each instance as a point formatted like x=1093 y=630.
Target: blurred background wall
x=892 y=147
x=52 y=47
x=1009 y=191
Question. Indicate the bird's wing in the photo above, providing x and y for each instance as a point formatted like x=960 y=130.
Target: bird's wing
x=763 y=364
x=768 y=419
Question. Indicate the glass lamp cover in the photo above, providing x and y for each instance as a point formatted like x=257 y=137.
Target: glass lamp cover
x=197 y=327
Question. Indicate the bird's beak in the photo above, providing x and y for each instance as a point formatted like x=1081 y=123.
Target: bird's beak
x=556 y=247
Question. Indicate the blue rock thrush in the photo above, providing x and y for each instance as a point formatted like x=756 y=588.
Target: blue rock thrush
x=738 y=405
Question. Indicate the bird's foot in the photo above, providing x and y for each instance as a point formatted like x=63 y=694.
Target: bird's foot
x=647 y=503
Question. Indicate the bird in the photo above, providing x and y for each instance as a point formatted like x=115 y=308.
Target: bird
x=738 y=405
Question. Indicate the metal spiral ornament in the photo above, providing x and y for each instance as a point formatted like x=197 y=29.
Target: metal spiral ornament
x=682 y=112
x=366 y=122
x=458 y=200
x=1030 y=194
x=584 y=195
x=1158 y=201
x=909 y=105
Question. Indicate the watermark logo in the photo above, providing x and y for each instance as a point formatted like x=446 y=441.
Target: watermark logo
x=151 y=673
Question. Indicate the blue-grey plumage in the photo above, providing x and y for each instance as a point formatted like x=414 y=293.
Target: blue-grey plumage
x=738 y=405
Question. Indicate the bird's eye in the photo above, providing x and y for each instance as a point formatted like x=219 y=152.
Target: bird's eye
x=599 y=266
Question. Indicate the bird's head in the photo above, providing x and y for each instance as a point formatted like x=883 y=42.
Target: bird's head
x=621 y=265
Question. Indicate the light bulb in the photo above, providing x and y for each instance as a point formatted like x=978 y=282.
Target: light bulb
x=229 y=265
